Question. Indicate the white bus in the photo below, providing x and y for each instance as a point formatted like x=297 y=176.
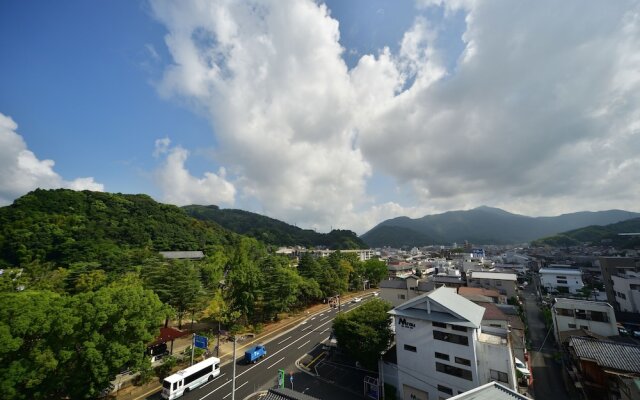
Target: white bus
x=190 y=378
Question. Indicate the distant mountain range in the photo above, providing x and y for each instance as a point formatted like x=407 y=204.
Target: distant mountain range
x=483 y=225
x=596 y=234
x=273 y=231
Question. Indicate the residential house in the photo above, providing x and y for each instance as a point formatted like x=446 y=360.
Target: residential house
x=443 y=349
x=604 y=369
x=504 y=282
x=397 y=291
x=593 y=316
x=626 y=289
x=561 y=280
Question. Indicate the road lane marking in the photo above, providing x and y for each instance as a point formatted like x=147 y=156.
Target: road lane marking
x=275 y=363
x=213 y=380
x=236 y=389
x=328 y=316
x=284 y=340
x=324 y=330
x=272 y=355
x=303 y=344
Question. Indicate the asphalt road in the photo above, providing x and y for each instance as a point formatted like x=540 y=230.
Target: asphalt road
x=282 y=352
x=547 y=374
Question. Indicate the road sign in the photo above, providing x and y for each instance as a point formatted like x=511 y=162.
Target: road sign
x=200 y=341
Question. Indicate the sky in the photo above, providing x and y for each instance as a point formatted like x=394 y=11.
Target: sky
x=326 y=115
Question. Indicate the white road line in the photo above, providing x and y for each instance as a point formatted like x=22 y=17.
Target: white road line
x=214 y=380
x=284 y=340
x=275 y=363
x=324 y=330
x=304 y=344
x=312 y=318
x=328 y=316
x=272 y=355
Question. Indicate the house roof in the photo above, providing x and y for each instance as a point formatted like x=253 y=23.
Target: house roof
x=393 y=284
x=610 y=355
x=469 y=291
x=286 y=394
x=492 y=312
x=445 y=305
x=503 y=276
x=182 y=255
x=168 y=334
x=559 y=271
x=490 y=391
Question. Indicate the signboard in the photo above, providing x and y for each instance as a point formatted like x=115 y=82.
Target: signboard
x=477 y=253
x=200 y=341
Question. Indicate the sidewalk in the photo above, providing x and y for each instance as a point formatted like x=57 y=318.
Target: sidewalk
x=269 y=332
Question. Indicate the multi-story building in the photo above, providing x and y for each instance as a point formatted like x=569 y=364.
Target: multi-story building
x=443 y=350
x=397 y=291
x=503 y=282
x=567 y=280
x=611 y=266
x=626 y=289
x=593 y=316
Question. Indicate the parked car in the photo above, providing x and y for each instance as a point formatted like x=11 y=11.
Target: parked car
x=522 y=368
x=622 y=331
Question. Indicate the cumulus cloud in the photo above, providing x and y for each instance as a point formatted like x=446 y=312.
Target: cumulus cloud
x=181 y=188
x=540 y=115
x=21 y=171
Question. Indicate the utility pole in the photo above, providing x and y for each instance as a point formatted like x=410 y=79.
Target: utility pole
x=233 y=380
x=339 y=303
x=193 y=347
x=218 y=346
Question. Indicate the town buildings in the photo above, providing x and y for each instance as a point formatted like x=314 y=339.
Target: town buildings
x=594 y=316
x=561 y=280
x=503 y=282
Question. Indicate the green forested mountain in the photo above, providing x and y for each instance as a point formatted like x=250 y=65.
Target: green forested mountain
x=483 y=225
x=273 y=231
x=64 y=226
x=597 y=234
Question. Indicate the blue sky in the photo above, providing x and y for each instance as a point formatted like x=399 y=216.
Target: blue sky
x=325 y=116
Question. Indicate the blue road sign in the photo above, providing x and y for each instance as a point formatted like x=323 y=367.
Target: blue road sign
x=200 y=341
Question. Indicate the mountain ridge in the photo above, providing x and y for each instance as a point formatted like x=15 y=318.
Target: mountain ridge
x=485 y=225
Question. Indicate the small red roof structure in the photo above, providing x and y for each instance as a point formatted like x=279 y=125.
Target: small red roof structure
x=167 y=335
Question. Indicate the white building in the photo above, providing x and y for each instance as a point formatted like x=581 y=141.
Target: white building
x=626 y=289
x=397 y=291
x=561 y=280
x=503 y=282
x=442 y=350
x=593 y=316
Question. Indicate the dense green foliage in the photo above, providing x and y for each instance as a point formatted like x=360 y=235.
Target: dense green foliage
x=365 y=332
x=596 y=235
x=482 y=225
x=85 y=289
x=274 y=232
x=54 y=346
x=116 y=230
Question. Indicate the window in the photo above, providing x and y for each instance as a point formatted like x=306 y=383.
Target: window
x=581 y=314
x=499 y=376
x=454 y=371
x=560 y=277
x=445 y=389
x=459 y=328
x=572 y=326
x=442 y=356
x=623 y=296
x=439 y=325
x=410 y=348
x=498 y=283
x=562 y=281
x=451 y=338
x=599 y=316
x=198 y=374
x=401 y=296
x=586 y=328
x=565 y=312
x=463 y=361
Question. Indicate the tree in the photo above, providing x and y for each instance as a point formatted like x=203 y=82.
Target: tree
x=375 y=271
x=365 y=332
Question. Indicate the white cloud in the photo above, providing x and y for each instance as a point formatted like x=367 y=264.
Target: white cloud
x=21 y=171
x=181 y=188
x=540 y=115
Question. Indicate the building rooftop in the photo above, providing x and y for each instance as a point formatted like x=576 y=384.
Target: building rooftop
x=286 y=394
x=503 y=276
x=490 y=391
x=182 y=255
x=393 y=284
x=611 y=355
x=562 y=302
x=493 y=312
x=442 y=305
x=468 y=291
x=560 y=271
